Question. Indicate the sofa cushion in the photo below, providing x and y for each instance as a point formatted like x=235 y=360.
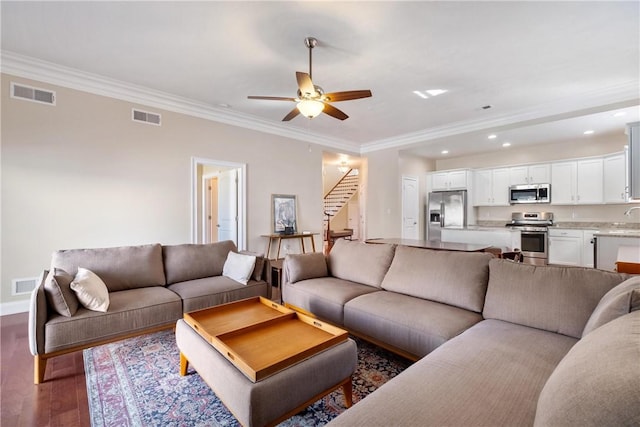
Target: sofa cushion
x=598 y=381
x=556 y=299
x=130 y=311
x=61 y=298
x=325 y=297
x=414 y=325
x=193 y=261
x=91 y=290
x=215 y=290
x=358 y=262
x=619 y=301
x=305 y=266
x=120 y=268
x=490 y=375
x=239 y=267
x=438 y=276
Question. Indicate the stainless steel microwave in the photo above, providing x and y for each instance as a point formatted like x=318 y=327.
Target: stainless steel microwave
x=530 y=193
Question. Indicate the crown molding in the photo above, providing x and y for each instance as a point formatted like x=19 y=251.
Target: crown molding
x=625 y=94
x=48 y=72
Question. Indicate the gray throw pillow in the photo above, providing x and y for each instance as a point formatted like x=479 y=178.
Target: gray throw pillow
x=306 y=266
x=57 y=288
x=619 y=301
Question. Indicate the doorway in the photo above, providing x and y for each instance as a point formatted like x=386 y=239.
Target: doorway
x=218 y=202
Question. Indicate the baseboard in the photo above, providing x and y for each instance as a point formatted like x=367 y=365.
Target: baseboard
x=14 y=307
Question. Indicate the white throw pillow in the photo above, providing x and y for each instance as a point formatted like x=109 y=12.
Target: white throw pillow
x=91 y=290
x=239 y=267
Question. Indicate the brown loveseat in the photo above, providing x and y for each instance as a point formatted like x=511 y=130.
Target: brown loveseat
x=149 y=288
x=496 y=342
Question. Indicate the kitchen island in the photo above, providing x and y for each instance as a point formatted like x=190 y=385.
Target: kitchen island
x=500 y=237
x=433 y=244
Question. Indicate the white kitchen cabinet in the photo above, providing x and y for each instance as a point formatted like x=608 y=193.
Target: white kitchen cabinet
x=565 y=246
x=588 y=244
x=449 y=180
x=577 y=182
x=590 y=181
x=563 y=185
x=615 y=173
x=491 y=187
x=531 y=174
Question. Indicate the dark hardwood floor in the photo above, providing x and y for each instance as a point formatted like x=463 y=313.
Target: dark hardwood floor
x=60 y=401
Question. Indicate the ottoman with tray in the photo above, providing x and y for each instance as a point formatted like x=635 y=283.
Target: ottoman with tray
x=265 y=362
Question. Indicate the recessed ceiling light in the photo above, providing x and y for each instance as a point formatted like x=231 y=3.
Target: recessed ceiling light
x=436 y=92
x=223 y=105
x=506 y=144
x=588 y=132
x=620 y=113
x=444 y=152
x=492 y=136
x=420 y=94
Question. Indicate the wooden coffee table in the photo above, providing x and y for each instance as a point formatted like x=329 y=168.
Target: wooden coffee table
x=276 y=350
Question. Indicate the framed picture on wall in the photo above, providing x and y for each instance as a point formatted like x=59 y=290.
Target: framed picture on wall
x=283 y=213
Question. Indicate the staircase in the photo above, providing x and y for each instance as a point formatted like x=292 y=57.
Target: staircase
x=339 y=196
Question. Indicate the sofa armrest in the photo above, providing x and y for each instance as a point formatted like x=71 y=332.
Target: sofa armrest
x=38 y=315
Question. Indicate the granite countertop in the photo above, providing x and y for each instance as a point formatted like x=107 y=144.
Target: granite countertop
x=628 y=229
x=432 y=244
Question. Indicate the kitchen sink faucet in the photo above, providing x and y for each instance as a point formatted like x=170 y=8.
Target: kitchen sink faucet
x=628 y=212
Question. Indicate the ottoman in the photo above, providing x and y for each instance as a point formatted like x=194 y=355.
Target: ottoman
x=277 y=397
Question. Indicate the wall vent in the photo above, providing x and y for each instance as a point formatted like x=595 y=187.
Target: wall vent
x=145 y=117
x=33 y=94
x=23 y=286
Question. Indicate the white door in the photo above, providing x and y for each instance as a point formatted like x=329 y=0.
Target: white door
x=228 y=206
x=410 y=208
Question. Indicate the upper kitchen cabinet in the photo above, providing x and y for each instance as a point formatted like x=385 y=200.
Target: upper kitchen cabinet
x=491 y=187
x=450 y=180
x=577 y=182
x=633 y=169
x=615 y=174
x=532 y=174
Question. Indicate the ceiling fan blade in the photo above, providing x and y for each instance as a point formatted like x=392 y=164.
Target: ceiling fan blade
x=305 y=84
x=347 y=95
x=291 y=114
x=272 y=98
x=334 y=112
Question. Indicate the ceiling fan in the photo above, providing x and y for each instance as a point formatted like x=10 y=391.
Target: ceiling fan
x=311 y=99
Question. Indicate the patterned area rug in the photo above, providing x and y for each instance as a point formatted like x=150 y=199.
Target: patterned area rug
x=136 y=382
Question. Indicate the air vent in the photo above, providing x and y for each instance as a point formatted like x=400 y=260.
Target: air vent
x=145 y=117
x=34 y=94
x=23 y=286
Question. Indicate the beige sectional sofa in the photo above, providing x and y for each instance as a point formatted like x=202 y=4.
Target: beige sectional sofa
x=496 y=342
x=149 y=288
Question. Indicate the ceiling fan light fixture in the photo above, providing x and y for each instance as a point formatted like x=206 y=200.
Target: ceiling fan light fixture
x=310 y=108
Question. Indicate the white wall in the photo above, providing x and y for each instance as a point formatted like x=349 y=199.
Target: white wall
x=82 y=174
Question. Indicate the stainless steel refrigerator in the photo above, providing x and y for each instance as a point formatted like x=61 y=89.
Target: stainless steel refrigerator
x=445 y=209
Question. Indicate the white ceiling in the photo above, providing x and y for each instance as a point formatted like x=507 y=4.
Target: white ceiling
x=534 y=63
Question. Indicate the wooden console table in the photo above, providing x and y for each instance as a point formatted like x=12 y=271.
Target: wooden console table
x=279 y=237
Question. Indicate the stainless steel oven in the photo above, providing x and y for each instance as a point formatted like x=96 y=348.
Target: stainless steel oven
x=535 y=244
x=534 y=230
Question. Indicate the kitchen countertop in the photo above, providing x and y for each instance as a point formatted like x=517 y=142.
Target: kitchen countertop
x=618 y=233
x=433 y=244
x=625 y=229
